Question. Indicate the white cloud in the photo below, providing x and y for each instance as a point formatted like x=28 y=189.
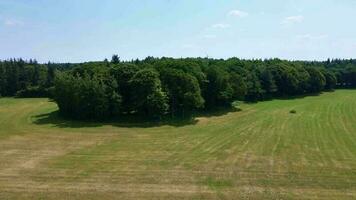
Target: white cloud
x=209 y=36
x=312 y=37
x=238 y=13
x=293 y=19
x=222 y=26
x=13 y=22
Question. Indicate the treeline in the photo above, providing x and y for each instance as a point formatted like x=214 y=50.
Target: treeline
x=155 y=87
x=345 y=71
x=26 y=78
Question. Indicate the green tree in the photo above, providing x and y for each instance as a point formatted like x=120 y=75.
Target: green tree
x=50 y=75
x=219 y=91
x=286 y=79
x=268 y=84
x=123 y=73
x=83 y=97
x=115 y=59
x=113 y=96
x=254 y=89
x=12 y=78
x=330 y=80
x=238 y=85
x=317 y=80
x=2 y=80
x=148 y=98
x=183 y=91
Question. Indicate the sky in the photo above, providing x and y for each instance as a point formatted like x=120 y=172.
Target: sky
x=92 y=30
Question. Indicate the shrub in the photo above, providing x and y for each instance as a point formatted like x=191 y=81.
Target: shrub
x=293 y=112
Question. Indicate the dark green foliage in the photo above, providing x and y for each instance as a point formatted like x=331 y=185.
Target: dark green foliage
x=123 y=73
x=154 y=87
x=317 y=80
x=286 y=79
x=115 y=59
x=219 y=91
x=148 y=98
x=86 y=97
x=33 y=91
x=330 y=80
x=238 y=85
x=254 y=89
x=113 y=96
x=18 y=77
x=303 y=78
x=268 y=83
x=2 y=81
x=183 y=91
x=50 y=75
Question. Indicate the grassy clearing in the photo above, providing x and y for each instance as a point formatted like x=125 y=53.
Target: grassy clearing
x=263 y=152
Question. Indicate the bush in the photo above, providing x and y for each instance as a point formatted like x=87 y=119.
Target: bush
x=293 y=112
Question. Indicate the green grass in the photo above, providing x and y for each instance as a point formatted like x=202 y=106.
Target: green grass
x=262 y=152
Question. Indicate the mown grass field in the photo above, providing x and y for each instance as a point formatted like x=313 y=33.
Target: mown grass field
x=262 y=152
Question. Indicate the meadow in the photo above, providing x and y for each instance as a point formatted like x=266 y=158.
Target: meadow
x=261 y=152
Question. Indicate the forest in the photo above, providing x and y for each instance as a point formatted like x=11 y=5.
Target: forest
x=157 y=87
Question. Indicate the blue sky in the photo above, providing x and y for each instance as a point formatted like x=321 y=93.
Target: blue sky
x=83 y=30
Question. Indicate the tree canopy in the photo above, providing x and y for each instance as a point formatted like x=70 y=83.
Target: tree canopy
x=154 y=87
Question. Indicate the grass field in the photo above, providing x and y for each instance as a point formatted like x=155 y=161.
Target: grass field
x=262 y=152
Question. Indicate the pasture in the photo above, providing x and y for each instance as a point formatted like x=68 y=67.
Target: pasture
x=262 y=152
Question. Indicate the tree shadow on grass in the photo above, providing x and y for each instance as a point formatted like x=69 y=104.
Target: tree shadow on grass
x=286 y=97
x=217 y=112
x=300 y=96
x=55 y=119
